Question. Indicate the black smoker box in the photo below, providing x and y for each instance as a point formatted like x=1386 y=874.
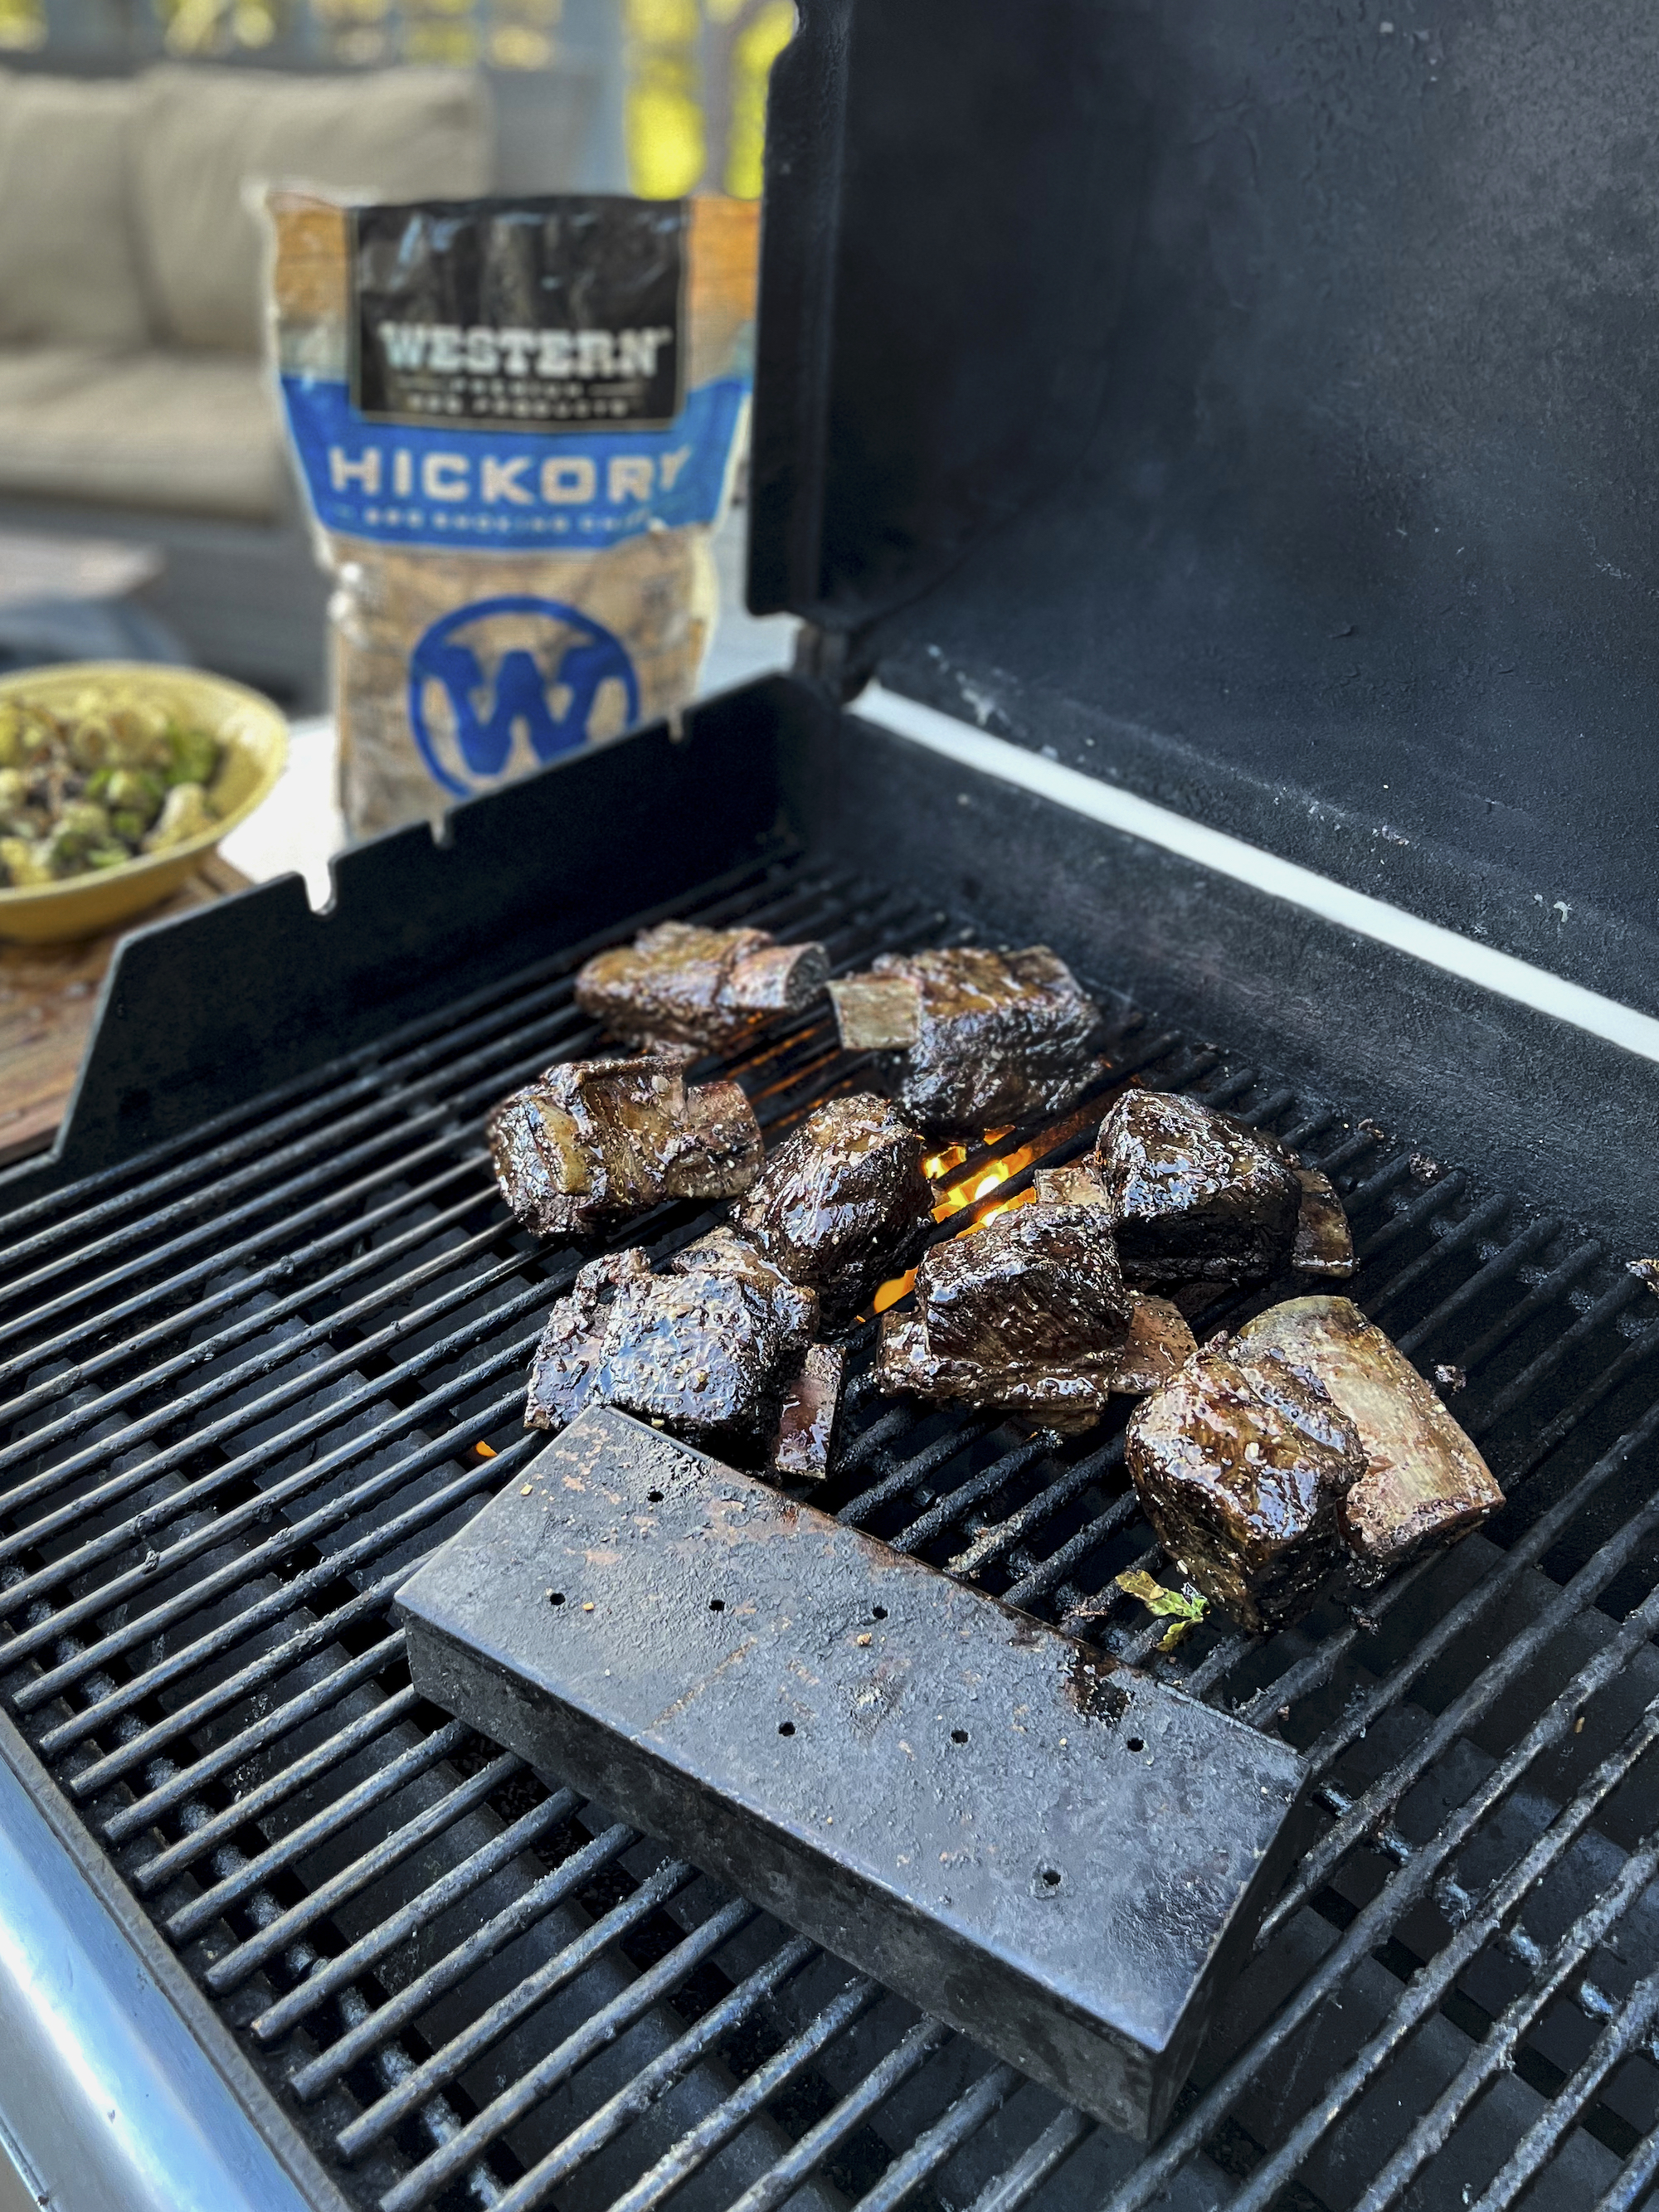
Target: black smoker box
x=1200 y=428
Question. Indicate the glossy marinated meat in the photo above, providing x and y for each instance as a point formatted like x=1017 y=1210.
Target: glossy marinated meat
x=683 y=988
x=839 y=1204
x=1243 y=1464
x=1029 y=1315
x=1322 y=1243
x=1425 y=1484
x=980 y=1038
x=708 y=1349
x=1195 y=1195
x=806 y=1432
x=593 y=1140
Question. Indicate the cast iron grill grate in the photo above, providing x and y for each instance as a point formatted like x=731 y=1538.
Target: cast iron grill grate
x=252 y=1378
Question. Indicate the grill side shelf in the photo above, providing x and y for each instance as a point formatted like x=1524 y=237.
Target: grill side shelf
x=1055 y=1853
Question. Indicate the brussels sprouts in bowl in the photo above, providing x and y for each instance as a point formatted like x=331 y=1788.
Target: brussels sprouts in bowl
x=116 y=780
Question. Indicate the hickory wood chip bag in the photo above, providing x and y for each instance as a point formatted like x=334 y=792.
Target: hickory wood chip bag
x=516 y=422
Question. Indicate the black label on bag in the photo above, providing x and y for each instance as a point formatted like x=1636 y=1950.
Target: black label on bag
x=544 y=314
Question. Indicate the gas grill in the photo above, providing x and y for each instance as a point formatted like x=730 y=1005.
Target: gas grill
x=266 y=1322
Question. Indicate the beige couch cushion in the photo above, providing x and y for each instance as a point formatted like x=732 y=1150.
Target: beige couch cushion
x=195 y=433
x=68 y=274
x=202 y=134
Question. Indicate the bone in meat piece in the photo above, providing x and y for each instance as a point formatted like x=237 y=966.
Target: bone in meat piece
x=1241 y=1465
x=1425 y=1483
x=594 y=1139
x=1196 y=1196
x=806 y=1433
x=708 y=1348
x=1323 y=1244
x=841 y=1200
x=681 y=987
x=1029 y=1315
x=983 y=1038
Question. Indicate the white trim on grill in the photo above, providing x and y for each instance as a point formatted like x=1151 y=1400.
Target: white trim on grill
x=1482 y=964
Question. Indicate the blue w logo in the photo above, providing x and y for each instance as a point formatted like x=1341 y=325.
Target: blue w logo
x=580 y=657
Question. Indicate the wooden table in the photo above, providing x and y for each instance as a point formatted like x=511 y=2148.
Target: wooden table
x=48 y=993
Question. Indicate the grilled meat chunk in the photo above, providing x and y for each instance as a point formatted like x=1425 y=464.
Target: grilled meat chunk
x=1029 y=1315
x=1196 y=1196
x=680 y=988
x=841 y=1200
x=1243 y=1464
x=1322 y=1244
x=1425 y=1483
x=980 y=1038
x=594 y=1139
x=709 y=1348
x=806 y=1433
x=1324 y=1241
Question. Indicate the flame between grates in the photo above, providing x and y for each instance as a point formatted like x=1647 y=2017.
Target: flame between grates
x=255 y=1377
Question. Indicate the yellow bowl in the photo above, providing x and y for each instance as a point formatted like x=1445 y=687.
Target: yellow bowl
x=254 y=737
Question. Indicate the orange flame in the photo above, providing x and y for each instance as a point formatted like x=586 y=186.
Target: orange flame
x=962 y=1194
x=484 y=1451
x=891 y=1292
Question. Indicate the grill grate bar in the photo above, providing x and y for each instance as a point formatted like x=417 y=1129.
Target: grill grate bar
x=1634 y=2179
x=271 y=1727
x=698 y=2144
x=1433 y=1983
x=277 y=1357
x=941 y=2142
x=505 y=1926
x=424 y=2181
x=255 y=1873
x=277 y=1605
x=343 y=1744
x=1497 y=1270
x=1490 y=2058
x=434 y=1899
x=1543 y=2138
x=1454 y=1719
x=1006 y=2193
x=459 y=2053
x=653 y=2081
x=1405 y=1887
x=821 y=2141
x=230 y=1972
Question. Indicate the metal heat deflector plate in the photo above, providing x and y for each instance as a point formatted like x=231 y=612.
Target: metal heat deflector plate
x=1054 y=1854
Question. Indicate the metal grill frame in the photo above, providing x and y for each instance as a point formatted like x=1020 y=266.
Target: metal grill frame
x=1513 y=1278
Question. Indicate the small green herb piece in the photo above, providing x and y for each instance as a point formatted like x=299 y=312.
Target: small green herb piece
x=1184 y=1608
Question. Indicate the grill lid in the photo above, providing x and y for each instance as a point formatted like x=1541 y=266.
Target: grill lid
x=1239 y=401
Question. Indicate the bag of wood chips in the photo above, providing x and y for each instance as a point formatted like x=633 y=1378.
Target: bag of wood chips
x=516 y=422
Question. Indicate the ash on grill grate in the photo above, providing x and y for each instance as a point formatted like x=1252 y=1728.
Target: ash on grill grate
x=251 y=1378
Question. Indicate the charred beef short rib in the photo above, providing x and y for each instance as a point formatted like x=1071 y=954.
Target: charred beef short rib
x=1237 y=1493
x=592 y=1139
x=682 y=989
x=718 y=1349
x=977 y=1039
x=842 y=1200
x=1029 y=1315
x=1425 y=1483
x=1241 y=1465
x=1199 y=1199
